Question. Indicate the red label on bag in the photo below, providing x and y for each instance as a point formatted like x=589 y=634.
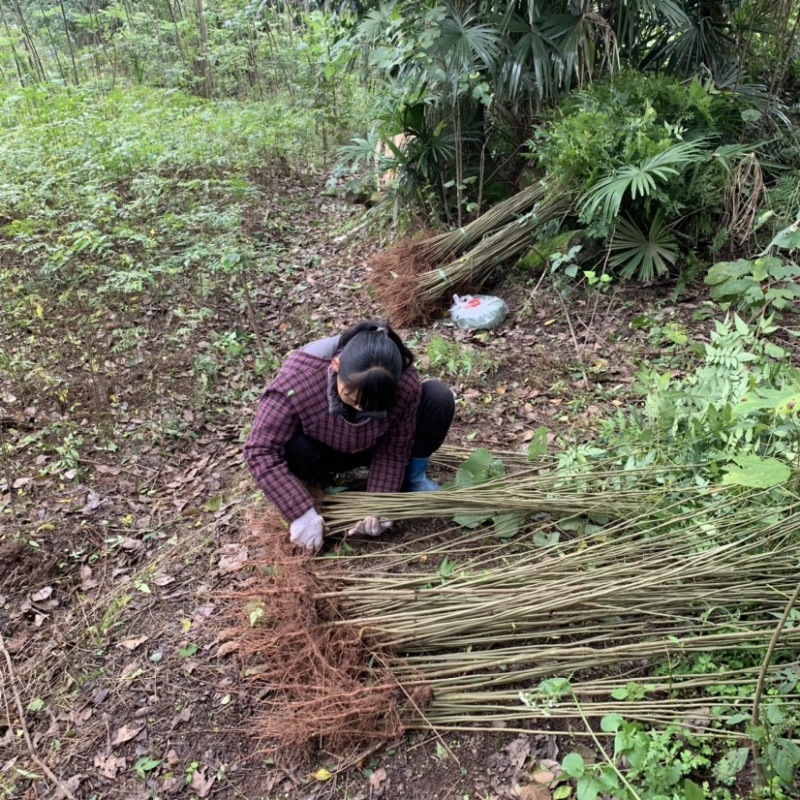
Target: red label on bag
x=474 y=303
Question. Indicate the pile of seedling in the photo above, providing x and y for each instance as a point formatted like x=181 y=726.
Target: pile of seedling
x=619 y=580
x=413 y=277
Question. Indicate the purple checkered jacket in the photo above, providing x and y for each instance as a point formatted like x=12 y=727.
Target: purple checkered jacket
x=298 y=399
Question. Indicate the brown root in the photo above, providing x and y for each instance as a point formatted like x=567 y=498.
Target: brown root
x=322 y=685
x=396 y=272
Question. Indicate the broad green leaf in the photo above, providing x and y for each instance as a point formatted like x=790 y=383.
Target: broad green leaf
x=731 y=763
x=470 y=520
x=538 y=445
x=775 y=715
x=733 y=289
x=255 y=615
x=573 y=765
x=691 y=791
x=562 y=793
x=756 y=472
x=587 y=788
x=724 y=270
x=479 y=462
x=146 y=764
x=736 y=719
x=546 y=539
x=213 y=505
x=788 y=238
x=611 y=722
x=506 y=525
x=782 y=401
x=763 y=267
x=782 y=762
x=555 y=687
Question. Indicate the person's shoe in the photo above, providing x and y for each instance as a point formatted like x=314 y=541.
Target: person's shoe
x=416 y=480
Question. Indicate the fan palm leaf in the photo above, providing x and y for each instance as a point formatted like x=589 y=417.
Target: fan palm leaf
x=531 y=63
x=467 y=43
x=631 y=17
x=640 y=180
x=645 y=254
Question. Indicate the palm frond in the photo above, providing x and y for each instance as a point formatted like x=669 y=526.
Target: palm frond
x=530 y=63
x=644 y=254
x=468 y=43
x=640 y=180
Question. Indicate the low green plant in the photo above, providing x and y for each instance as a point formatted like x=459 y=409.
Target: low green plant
x=768 y=284
x=480 y=467
x=735 y=414
x=648 y=156
x=451 y=358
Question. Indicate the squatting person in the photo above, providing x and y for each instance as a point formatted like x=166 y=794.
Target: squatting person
x=347 y=401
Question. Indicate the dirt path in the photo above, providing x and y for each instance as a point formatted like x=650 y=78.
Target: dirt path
x=116 y=569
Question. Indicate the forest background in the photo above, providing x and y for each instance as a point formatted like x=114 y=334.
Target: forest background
x=177 y=187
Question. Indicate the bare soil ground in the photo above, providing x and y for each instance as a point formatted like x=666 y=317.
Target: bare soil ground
x=116 y=572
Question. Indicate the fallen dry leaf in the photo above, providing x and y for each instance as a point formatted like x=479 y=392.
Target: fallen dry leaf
x=225 y=648
x=79 y=716
x=543 y=777
x=233 y=562
x=69 y=786
x=131 y=544
x=172 y=785
x=589 y=755
x=16 y=644
x=132 y=644
x=129 y=669
x=107 y=766
x=42 y=594
x=87 y=581
x=201 y=785
x=125 y=734
x=533 y=792
x=377 y=778
x=518 y=751
x=93 y=502
x=7 y=767
x=106 y=470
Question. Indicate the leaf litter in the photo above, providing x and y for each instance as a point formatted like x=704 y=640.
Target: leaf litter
x=152 y=513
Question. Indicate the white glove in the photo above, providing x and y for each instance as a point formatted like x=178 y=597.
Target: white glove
x=371 y=526
x=306 y=531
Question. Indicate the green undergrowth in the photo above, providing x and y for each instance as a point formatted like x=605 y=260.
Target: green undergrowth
x=139 y=229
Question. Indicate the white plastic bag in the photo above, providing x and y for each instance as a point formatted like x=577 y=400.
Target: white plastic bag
x=478 y=311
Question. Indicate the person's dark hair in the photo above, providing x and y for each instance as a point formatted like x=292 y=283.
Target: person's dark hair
x=371 y=359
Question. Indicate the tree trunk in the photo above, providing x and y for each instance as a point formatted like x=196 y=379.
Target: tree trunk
x=205 y=60
x=53 y=45
x=178 y=39
x=30 y=45
x=17 y=62
x=69 y=43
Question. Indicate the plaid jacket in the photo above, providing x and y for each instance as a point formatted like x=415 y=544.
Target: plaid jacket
x=298 y=398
